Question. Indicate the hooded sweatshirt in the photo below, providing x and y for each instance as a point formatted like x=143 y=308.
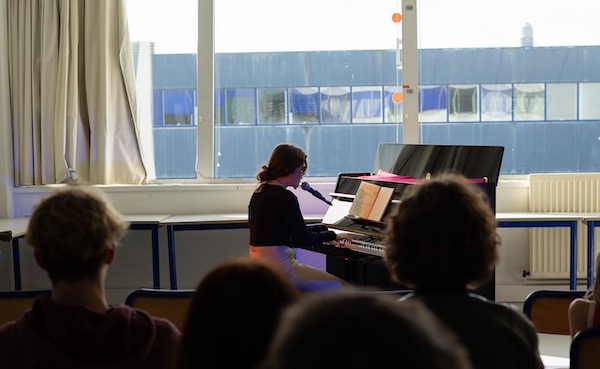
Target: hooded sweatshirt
x=50 y=335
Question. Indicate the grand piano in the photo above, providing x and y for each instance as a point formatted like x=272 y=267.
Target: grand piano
x=398 y=166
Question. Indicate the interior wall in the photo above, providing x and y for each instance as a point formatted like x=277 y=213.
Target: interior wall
x=199 y=251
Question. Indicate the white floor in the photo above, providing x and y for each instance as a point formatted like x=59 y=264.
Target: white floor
x=554 y=349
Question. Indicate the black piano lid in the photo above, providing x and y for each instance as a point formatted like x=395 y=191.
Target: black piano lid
x=420 y=160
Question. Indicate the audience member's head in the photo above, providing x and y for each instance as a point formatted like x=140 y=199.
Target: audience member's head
x=74 y=233
x=233 y=315
x=356 y=330
x=442 y=236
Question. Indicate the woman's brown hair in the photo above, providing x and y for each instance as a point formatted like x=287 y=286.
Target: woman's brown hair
x=285 y=158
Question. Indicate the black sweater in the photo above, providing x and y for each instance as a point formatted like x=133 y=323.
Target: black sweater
x=274 y=218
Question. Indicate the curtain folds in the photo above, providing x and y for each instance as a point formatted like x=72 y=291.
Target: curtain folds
x=72 y=91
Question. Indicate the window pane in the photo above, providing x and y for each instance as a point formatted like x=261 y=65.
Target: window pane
x=529 y=101
x=463 y=103
x=366 y=104
x=240 y=106
x=393 y=111
x=589 y=94
x=561 y=101
x=271 y=105
x=304 y=105
x=335 y=104
x=334 y=75
x=433 y=103
x=496 y=102
x=178 y=107
x=164 y=55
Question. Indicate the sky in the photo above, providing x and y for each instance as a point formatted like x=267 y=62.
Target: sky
x=244 y=25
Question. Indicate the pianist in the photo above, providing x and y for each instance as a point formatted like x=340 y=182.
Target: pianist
x=276 y=222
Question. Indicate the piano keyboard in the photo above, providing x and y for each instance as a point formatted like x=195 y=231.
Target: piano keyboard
x=366 y=244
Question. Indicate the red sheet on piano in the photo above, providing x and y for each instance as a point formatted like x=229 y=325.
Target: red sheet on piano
x=382 y=175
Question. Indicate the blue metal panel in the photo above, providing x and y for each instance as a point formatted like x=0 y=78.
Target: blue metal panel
x=174 y=71
x=175 y=152
x=345 y=68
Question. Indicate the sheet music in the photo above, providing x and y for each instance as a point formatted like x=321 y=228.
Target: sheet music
x=337 y=211
x=371 y=201
x=364 y=199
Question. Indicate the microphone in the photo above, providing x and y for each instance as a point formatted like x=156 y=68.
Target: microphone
x=306 y=187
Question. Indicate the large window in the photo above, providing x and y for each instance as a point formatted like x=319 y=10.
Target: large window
x=489 y=73
x=168 y=29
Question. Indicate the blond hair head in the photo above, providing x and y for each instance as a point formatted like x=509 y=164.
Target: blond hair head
x=71 y=230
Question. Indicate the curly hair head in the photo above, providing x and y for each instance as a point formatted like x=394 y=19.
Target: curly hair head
x=442 y=236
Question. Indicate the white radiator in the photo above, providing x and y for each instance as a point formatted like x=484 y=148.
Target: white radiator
x=549 y=247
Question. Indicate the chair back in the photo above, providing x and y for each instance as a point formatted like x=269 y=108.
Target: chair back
x=169 y=304
x=14 y=303
x=549 y=310
x=585 y=349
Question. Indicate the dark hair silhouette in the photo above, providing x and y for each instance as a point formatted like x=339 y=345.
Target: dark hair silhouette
x=233 y=315
x=442 y=236
x=285 y=158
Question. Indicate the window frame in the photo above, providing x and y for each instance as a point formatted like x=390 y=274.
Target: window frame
x=205 y=159
x=208 y=142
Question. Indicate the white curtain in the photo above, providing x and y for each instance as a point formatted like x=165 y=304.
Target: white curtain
x=72 y=91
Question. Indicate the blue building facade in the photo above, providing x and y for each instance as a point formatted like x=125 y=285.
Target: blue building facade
x=539 y=103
